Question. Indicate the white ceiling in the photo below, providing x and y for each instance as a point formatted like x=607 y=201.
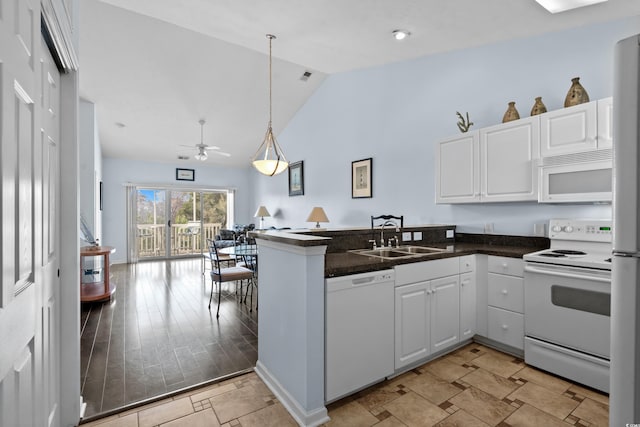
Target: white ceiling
x=159 y=66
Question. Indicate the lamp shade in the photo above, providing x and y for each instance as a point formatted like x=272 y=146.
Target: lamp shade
x=317 y=215
x=262 y=212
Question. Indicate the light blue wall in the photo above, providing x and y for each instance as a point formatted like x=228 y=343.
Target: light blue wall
x=396 y=114
x=117 y=172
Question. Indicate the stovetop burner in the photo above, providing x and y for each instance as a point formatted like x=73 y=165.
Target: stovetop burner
x=568 y=252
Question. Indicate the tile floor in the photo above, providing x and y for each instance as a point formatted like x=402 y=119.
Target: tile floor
x=473 y=386
x=157 y=335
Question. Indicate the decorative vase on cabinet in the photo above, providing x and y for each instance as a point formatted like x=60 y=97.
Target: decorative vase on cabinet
x=577 y=94
x=511 y=113
x=538 y=107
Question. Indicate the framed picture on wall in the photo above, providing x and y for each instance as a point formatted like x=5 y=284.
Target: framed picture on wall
x=185 y=174
x=296 y=178
x=361 y=184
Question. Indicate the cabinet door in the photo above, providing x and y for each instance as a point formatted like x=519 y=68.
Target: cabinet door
x=569 y=130
x=412 y=323
x=605 y=123
x=458 y=170
x=508 y=161
x=445 y=309
x=467 y=305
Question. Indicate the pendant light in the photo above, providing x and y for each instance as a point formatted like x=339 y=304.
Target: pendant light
x=269 y=159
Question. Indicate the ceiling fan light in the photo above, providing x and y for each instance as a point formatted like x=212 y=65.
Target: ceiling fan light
x=202 y=156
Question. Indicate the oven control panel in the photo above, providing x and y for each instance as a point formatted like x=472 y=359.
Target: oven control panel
x=588 y=230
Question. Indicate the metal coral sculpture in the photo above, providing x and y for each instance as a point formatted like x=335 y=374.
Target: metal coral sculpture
x=463 y=124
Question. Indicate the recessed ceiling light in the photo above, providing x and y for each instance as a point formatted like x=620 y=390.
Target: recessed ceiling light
x=400 y=34
x=555 y=6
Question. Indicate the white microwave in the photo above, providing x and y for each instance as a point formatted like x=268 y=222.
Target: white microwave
x=576 y=178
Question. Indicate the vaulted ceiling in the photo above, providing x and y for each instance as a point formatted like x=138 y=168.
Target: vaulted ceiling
x=154 y=68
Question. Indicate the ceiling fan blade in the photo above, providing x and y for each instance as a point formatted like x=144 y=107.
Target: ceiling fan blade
x=222 y=153
x=211 y=147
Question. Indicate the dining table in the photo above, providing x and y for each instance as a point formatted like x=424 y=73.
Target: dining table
x=248 y=253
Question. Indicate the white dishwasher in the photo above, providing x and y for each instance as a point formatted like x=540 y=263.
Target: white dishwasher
x=359 y=342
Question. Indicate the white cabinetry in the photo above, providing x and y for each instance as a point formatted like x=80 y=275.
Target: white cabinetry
x=458 y=169
x=583 y=127
x=494 y=164
x=427 y=302
x=569 y=130
x=508 y=161
x=506 y=301
x=467 y=297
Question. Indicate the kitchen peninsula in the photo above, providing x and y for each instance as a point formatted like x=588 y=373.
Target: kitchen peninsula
x=293 y=267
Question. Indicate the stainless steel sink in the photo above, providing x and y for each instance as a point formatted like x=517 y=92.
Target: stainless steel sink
x=384 y=253
x=399 y=252
x=419 y=249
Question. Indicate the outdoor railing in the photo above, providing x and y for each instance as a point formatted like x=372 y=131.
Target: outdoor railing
x=186 y=239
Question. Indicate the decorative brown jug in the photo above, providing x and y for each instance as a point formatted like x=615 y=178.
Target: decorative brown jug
x=538 y=107
x=577 y=94
x=511 y=113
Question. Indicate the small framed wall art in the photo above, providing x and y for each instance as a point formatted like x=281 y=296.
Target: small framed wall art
x=296 y=179
x=185 y=174
x=361 y=184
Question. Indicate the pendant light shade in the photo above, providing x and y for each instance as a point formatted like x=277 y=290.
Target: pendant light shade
x=269 y=159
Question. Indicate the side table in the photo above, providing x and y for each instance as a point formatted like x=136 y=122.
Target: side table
x=102 y=289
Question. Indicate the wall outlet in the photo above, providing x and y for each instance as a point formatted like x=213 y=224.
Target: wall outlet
x=449 y=234
x=406 y=236
x=488 y=227
x=417 y=235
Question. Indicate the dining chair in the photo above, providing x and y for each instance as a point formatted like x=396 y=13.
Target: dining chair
x=221 y=274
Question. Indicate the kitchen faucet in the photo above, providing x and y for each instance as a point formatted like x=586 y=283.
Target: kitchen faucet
x=388 y=222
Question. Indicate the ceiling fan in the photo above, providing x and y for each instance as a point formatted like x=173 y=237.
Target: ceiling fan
x=203 y=148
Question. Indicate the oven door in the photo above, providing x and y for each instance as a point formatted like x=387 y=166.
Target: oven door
x=568 y=306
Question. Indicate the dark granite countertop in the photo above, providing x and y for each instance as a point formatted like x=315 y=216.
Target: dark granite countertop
x=342 y=264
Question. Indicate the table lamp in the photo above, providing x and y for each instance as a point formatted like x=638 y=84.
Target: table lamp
x=317 y=215
x=262 y=212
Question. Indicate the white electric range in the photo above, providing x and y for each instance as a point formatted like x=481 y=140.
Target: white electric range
x=568 y=302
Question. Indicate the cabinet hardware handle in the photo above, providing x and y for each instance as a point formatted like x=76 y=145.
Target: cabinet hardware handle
x=504 y=292
x=505 y=327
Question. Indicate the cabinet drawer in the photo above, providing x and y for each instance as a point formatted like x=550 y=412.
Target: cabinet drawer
x=426 y=270
x=506 y=292
x=467 y=263
x=506 y=327
x=504 y=265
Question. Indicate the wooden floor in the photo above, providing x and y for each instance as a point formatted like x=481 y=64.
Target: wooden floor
x=157 y=335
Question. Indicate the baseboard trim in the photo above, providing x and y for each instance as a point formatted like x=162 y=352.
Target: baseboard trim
x=305 y=418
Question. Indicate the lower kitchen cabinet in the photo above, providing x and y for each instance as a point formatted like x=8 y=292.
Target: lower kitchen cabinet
x=426 y=318
x=505 y=288
x=467 y=305
x=412 y=334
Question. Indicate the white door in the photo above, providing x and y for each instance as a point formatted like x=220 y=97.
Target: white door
x=467 y=305
x=28 y=316
x=458 y=170
x=508 y=161
x=412 y=323
x=569 y=130
x=445 y=309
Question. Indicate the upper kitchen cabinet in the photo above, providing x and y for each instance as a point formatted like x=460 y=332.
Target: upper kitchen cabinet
x=508 y=161
x=605 y=123
x=583 y=127
x=494 y=164
x=458 y=169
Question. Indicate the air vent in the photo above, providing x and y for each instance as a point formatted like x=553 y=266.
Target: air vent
x=183 y=157
x=305 y=76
